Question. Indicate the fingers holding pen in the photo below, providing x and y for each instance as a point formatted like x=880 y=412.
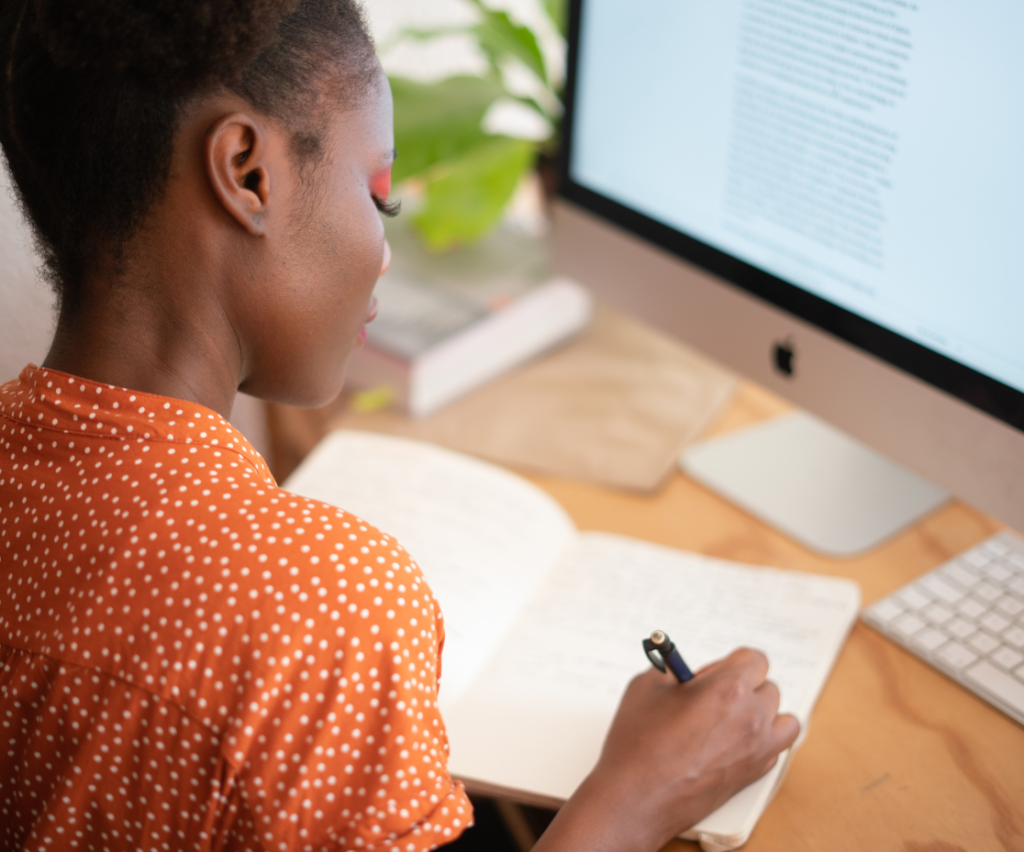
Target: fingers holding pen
x=784 y=730
x=750 y=665
x=768 y=693
x=785 y=727
x=747 y=702
x=697 y=742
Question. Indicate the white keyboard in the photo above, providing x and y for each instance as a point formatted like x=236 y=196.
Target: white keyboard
x=966 y=618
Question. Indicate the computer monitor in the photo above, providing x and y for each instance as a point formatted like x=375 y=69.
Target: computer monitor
x=837 y=179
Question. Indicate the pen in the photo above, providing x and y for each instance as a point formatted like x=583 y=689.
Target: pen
x=667 y=656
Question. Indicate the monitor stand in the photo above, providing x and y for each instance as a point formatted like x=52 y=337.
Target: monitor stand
x=813 y=483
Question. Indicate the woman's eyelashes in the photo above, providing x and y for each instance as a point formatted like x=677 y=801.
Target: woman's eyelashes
x=388 y=208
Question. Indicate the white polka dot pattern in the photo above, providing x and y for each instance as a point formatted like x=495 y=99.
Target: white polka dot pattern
x=192 y=658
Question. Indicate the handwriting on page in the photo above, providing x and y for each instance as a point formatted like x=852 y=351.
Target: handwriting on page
x=482 y=537
x=579 y=642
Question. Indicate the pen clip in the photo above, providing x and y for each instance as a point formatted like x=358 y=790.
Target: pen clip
x=650 y=646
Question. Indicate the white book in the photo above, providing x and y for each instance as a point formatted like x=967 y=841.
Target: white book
x=448 y=323
x=429 y=346
x=516 y=582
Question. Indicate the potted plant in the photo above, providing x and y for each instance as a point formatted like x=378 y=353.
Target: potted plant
x=464 y=171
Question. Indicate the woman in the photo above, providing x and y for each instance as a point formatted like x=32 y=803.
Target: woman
x=191 y=657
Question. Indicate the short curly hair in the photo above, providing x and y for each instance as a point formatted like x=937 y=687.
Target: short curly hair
x=92 y=91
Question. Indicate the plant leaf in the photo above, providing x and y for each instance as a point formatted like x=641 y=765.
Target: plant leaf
x=417 y=34
x=498 y=37
x=466 y=202
x=438 y=121
x=558 y=11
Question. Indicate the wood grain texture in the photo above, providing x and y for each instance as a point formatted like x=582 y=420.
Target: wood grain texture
x=898 y=758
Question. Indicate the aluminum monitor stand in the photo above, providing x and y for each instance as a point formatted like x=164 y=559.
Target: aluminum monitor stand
x=813 y=483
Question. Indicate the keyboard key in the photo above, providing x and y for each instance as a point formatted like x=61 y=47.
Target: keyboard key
x=1007 y=657
x=912 y=598
x=1017 y=585
x=967 y=566
x=956 y=655
x=998 y=572
x=938 y=614
x=908 y=624
x=885 y=610
x=1017 y=559
x=971 y=608
x=940 y=588
x=1015 y=636
x=996 y=547
x=976 y=558
x=995 y=622
x=960 y=575
x=983 y=643
x=931 y=638
x=1005 y=687
x=987 y=591
x=1009 y=605
x=960 y=628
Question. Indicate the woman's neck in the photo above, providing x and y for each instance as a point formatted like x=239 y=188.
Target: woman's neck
x=160 y=332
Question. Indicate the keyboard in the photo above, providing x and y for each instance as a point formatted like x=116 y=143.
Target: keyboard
x=966 y=618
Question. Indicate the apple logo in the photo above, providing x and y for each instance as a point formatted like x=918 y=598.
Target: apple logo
x=784 y=354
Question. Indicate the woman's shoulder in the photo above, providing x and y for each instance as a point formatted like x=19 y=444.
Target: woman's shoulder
x=170 y=557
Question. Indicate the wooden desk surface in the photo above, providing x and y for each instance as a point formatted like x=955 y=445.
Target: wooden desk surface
x=898 y=757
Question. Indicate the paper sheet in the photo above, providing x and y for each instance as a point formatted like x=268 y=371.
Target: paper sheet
x=610 y=592
x=535 y=719
x=483 y=537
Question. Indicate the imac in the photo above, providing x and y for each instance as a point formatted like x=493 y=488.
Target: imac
x=827 y=196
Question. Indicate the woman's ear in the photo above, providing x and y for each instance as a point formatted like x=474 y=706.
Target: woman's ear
x=237 y=165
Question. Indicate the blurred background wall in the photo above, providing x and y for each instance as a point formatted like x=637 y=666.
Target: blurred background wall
x=26 y=302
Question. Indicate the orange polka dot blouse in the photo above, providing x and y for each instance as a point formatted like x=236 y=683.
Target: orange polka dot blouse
x=192 y=658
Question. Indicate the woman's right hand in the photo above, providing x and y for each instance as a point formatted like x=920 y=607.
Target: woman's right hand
x=674 y=753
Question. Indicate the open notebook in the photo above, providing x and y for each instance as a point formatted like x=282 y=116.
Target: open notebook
x=523 y=593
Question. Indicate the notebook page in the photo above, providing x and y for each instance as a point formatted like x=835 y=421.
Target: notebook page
x=536 y=718
x=484 y=538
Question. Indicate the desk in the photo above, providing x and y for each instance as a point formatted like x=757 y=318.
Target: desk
x=898 y=757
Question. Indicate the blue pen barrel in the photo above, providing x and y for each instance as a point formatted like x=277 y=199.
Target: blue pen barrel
x=677 y=665
x=663 y=656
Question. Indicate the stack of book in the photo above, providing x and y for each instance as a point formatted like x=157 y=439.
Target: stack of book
x=448 y=323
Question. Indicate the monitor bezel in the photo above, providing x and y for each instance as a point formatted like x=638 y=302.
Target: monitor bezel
x=958 y=380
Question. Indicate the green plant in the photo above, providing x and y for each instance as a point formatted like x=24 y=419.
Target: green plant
x=468 y=175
